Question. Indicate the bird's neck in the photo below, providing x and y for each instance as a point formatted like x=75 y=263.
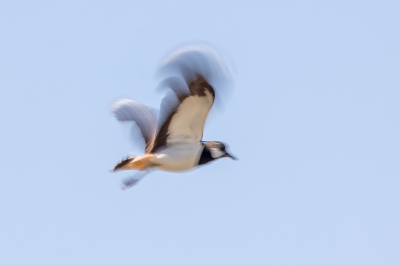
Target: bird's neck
x=205 y=156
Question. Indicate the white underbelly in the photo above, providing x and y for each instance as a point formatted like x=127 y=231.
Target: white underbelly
x=178 y=157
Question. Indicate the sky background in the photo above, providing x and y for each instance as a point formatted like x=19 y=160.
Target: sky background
x=313 y=118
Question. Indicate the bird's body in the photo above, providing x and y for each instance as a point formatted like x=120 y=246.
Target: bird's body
x=177 y=158
x=176 y=145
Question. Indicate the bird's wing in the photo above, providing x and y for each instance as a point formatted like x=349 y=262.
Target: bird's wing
x=129 y=182
x=132 y=111
x=185 y=124
x=191 y=70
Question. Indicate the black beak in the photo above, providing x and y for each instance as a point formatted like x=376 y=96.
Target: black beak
x=230 y=156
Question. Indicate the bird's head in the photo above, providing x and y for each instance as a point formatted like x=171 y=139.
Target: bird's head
x=218 y=150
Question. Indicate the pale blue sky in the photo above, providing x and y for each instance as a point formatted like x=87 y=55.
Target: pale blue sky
x=313 y=118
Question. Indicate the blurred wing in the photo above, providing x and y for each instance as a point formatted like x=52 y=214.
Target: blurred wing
x=191 y=71
x=132 y=181
x=185 y=124
x=132 y=111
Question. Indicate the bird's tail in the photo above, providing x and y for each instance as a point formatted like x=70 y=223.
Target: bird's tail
x=123 y=163
x=141 y=163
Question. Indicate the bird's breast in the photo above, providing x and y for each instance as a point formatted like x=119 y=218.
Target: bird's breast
x=178 y=157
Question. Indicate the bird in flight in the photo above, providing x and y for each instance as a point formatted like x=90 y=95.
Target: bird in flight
x=174 y=143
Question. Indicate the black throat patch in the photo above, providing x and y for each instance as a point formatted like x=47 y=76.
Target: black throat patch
x=205 y=156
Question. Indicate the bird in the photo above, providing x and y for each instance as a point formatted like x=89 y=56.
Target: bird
x=173 y=142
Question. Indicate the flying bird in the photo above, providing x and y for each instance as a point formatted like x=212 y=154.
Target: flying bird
x=173 y=142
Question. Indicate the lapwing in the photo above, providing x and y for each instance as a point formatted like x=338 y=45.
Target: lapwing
x=174 y=142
